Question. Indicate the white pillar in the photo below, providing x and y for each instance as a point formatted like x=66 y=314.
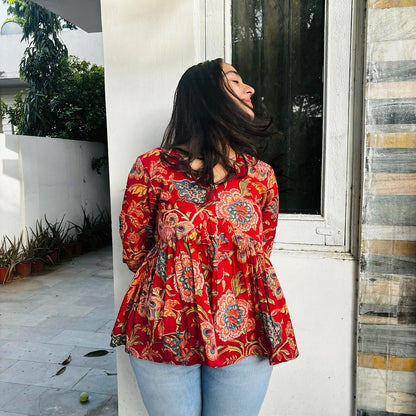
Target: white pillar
x=147 y=47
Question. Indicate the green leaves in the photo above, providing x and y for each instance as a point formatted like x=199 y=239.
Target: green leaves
x=97 y=353
x=79 y=107
x=67 y=361
x=66 y=96
x=60 y=371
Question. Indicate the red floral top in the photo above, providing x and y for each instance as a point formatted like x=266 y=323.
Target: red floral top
x=204 y=290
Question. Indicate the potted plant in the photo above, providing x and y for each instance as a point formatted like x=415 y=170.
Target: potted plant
x=48 y=240
x=68 y=249
x=77 y=248
x=26 y=255
x=57 y=235
x=13 y=254
x=34 y=250
x=85 y=233
x=4 y=261
x=42 y=241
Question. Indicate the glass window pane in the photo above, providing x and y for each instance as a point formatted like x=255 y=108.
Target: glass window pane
x=278 y=47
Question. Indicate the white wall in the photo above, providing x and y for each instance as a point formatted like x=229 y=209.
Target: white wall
x=41 y=176
x=321 y=295
x=11 y=187
x=147 y=47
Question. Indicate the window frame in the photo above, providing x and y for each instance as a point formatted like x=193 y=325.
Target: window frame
x=331 y=230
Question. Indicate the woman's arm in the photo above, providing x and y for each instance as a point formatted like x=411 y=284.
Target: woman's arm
x=137 y=217
x=270 y=213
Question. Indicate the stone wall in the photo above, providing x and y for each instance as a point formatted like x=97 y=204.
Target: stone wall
x=386 y=358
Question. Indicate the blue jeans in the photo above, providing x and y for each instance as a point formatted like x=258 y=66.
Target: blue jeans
x=174 y=390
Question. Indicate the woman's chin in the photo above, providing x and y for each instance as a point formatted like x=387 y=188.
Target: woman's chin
x=250 y=113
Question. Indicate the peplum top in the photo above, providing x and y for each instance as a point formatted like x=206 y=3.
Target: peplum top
x=204 y=290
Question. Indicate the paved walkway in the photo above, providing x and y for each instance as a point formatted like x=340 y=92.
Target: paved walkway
x=66 y=310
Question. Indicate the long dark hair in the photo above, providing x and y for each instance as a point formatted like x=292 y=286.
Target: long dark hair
x=206 y=122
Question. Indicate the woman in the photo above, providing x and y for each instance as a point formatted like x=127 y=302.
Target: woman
x=204 y=317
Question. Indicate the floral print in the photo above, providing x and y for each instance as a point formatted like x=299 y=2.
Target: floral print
x=208 y=336
x=161 y=265
x=271 y=281
x=214 y=250
x=204 y=290
x=272 y=329
x=189 y=279
x=191 y=191
x=236 y=209
x=154 y=306
x=177 y=345
x=231 y=319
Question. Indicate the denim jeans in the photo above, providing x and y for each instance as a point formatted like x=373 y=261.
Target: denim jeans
x=173 y=390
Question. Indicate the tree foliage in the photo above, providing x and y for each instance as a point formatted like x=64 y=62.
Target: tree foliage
x=79 y=104
x=65 y=97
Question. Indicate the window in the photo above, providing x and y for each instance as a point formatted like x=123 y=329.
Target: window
x=297 y=54
x=279 y=47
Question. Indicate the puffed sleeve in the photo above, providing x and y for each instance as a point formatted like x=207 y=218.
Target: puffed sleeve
x=270 y=213
x=137 y=217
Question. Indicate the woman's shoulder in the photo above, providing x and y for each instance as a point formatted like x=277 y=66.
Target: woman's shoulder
x=157 y=154
x=152 y=158
x=151 y=155
x=146 y=162
x=257 y=167
x=154 y=163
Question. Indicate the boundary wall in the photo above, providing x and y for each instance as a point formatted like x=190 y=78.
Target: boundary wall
x=47 y=176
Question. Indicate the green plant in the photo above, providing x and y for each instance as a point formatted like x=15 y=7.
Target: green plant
x=15 y=111
x=85 y=232
x=40 y=65
x=65 y=97
x=69 y=239
x=4 y=260
x=49 y=238
x=57 y=232
x=78 y=105
x=13 y=250
x=98 y=162
x=43 y=240
x=95 y=231
x=28 y=249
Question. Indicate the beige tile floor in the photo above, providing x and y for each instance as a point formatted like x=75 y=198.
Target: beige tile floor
x=66 y=310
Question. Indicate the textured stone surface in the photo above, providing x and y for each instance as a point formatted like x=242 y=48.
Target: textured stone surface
x=386 y=310
x=69 y=310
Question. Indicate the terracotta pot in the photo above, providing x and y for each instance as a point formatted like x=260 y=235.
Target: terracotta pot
x=3 y=271
x=24 y=269
x=37 y=266
x=77 y=249
x=53 y=256
x=66 y=252
x=89 y=245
